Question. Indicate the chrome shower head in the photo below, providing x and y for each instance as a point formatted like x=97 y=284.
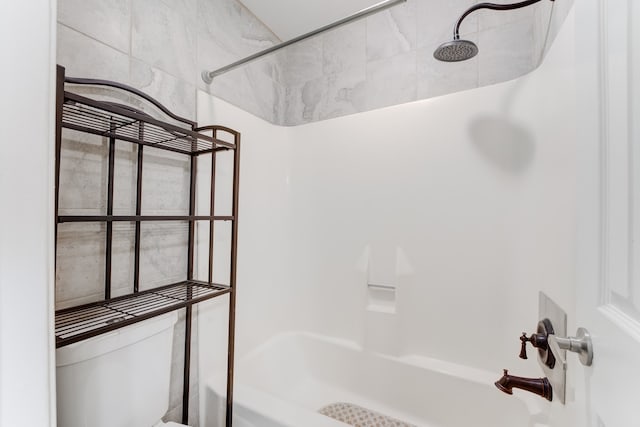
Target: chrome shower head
x=456 y=50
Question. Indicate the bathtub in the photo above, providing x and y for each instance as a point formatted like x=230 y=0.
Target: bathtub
x=284 y=383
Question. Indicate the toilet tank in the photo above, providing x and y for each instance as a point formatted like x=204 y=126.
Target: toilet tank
x=118 y=379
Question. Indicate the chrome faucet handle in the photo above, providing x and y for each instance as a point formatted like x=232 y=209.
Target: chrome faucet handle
x=580 y=344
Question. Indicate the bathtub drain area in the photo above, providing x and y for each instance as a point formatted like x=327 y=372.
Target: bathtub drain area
x=358 y=416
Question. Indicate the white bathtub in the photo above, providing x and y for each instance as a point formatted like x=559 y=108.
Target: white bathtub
x=288 y=379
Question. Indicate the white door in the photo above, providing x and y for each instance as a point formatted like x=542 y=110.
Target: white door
x=608 y=271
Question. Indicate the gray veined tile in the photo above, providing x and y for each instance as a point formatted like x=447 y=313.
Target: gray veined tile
x=83 y=174
x=163 y=253
x=237 y=88
x=264 y=90
x=165 y=180
x=234 y=88
x=188 y=8
x=389 y=82
x=339 y=98
x=233 y=27
x=164 y=39
x=125 y=172
x=437 y=78
x=107 y=21
x=392 y=32
x=80 y=264
x=251 y=88
x=212 y=54
x=271 y=66
x=312 y=93
x=280 y=106
x=541 y=24
x=122 y=261
x=436 y=20
x=488 y=19
x=227 y=32
x=554 y=17
x=303 y=61
x=506 y=52
x=345 y=49
x=84 y=57
x=304 y=101
x=293 y=106
x=176 y=94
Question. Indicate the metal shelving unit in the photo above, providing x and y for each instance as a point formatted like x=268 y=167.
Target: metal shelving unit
x=121 y=122
x=78 y=323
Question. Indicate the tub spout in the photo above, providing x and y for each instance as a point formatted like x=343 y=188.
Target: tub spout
x=539 y=386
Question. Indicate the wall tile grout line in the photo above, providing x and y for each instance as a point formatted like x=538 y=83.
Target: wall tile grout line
x=69 y=27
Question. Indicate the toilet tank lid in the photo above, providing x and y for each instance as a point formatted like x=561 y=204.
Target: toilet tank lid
x=170 y=424
x=112 y=341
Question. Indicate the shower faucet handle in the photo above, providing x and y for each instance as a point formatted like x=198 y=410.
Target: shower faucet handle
x=540 y=341
x=536 y=340
x=523 y=348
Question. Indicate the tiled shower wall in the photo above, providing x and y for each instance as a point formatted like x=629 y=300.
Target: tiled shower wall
x=80 y=260
x=161 y=47
x=387 y=59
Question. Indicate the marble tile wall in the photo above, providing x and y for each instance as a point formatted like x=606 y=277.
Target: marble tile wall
x=387 y=58
x=80 y=269
x=161 y=47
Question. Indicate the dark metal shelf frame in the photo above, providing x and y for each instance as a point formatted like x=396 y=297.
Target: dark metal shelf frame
x=134 y=218
x=78 y=323
x=120 y=122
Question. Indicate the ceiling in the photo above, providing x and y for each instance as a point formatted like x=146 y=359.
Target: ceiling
x=291 y=18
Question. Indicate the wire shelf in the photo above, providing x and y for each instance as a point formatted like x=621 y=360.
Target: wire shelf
x=86 y=321
x=127 y=124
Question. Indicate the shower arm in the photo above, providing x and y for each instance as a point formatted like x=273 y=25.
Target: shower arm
x=492 y=6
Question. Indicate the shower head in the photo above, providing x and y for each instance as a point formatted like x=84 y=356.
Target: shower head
x=456 y=50
x=461 y=50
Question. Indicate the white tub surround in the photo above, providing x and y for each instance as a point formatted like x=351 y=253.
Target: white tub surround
x=475 y=190
x=289 y=379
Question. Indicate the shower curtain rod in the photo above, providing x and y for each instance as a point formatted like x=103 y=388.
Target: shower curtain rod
x=208 y=76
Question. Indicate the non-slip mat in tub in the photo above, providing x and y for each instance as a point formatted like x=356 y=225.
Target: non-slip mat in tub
x=358 y=416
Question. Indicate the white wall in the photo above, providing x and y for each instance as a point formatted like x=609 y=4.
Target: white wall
x=476 y=190
x=465 y=202
x=26 y=213
x=265 y=241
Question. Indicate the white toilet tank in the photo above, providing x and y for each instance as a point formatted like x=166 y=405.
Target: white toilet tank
x=119 y=379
